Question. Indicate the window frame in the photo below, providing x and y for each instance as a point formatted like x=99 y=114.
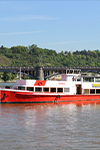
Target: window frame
x=38 y=88
x=21 y=88
x=51 y=89
x=88 y=91
x=30 y=87
x=92 y=90
x=46 y=88
x=58 y=89
x=67 y=89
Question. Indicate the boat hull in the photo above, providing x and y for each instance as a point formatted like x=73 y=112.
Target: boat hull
x=7 y=96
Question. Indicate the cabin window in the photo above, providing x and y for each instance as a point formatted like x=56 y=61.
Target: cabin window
x=30 y=88
x=59 y=89
x=53 y=90
x=92 y=91
x=66 y=90
x=78 y=79
x=88 y=79
x=38 y=89
x=45 y=89
x=97 y=91
x=97 y=79
x=21 y=88
x=86 y=91
x=7 y=87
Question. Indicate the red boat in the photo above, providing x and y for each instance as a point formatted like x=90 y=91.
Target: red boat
x=73 y=88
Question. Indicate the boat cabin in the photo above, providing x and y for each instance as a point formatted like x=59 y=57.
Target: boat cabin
x=70 y=84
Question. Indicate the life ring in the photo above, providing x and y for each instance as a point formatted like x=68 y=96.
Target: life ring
x=40 y=83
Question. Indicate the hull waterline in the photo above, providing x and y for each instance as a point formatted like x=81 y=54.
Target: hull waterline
x=30 y=97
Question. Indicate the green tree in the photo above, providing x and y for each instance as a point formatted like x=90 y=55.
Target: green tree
x=6 y=76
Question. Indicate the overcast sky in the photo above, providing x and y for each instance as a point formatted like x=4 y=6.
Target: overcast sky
x=58 y=25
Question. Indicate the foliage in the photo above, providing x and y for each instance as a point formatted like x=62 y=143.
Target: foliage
x=4 y=61
x=29 y=56
x=7 y=76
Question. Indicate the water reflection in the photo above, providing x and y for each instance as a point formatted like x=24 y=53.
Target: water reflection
x=49 y=126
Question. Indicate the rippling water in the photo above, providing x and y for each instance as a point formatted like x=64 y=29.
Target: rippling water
x=49 y=126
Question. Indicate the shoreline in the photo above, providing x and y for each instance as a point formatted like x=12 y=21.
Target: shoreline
x=7 y=81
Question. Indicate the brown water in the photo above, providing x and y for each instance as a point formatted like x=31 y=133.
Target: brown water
x=49 y=127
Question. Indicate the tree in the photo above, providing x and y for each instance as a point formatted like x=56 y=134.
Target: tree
x=2 y=47
x=6 y=76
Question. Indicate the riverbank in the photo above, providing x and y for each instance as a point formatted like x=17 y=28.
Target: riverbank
x=1 y=81
x=5 y=84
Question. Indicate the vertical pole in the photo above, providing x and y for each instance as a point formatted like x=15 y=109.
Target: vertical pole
x=20 y=73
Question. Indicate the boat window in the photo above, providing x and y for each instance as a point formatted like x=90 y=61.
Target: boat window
x=7 y=87
x=86 y=91
x=53 y=90
x=66 y=90
x=78 y=79
x=97 y=79
x=88 y=79
x=92 y=91
x=45 y=89
x=30 y=88
x=38 y=89
x=21 y=88
x=97 y=91
x=59 y=89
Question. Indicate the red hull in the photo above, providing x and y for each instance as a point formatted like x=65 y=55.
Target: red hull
x=29 y=97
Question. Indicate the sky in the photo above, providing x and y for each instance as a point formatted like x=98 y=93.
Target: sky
x=60 y=25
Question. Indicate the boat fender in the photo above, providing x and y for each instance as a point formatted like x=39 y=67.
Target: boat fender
x=40 y=83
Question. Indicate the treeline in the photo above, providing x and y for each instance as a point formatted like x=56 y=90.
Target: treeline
x=8 y=76
x=29 y=56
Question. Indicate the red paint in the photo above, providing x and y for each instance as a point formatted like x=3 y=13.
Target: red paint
x=40 y=83
x=11 y=96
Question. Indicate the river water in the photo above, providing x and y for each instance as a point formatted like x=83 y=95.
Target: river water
x=49 y=127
